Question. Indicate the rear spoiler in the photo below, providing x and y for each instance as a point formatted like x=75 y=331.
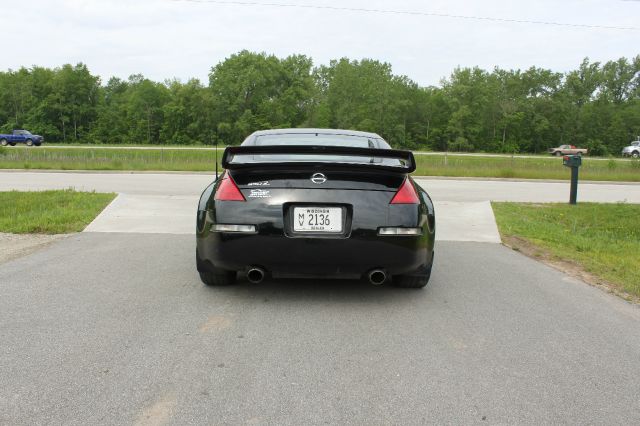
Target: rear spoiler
x=405 y=158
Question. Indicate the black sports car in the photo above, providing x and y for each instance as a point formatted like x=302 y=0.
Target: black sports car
x=316 y=203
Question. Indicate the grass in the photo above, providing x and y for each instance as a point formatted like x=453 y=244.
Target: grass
x=49 y=212
x=602 y=239
x=526 y=168
x=109 y=159
x=168 y=159
x=131 y=145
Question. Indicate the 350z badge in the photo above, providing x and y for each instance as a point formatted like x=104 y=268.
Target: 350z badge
x=259 y=193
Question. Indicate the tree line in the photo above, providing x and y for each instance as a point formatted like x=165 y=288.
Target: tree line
x=596 y=105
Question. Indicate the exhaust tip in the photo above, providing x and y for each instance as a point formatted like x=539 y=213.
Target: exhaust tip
x=255 y=275
x=377 y=277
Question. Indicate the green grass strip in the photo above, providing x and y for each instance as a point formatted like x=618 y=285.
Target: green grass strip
x=204 y=161
x=49 y=212
x=604 y=239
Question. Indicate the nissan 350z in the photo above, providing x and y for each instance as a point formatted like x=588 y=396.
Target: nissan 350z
x=316 y=203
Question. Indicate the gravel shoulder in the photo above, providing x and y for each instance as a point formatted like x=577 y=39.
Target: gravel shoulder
x=13 y=246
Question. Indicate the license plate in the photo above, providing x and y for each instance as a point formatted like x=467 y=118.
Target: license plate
x=317 y=219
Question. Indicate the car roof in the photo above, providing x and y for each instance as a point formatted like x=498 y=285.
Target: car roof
x=320 y=131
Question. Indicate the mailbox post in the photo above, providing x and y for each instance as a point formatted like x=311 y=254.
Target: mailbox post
x=574 y=162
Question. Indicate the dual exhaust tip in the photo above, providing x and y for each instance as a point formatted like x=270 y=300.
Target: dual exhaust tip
x=256 y=275
x=377 y=276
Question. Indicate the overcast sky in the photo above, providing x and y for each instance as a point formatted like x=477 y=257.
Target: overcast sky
x=164 y=38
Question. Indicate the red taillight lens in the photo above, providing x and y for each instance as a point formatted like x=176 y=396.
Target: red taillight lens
x=228 y=190
x=406 y=194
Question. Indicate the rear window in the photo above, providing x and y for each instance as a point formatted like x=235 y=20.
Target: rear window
x=320 y=139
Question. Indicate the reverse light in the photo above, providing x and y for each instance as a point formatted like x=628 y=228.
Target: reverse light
x=244 y=229
x=228 y=190
x=406 y=194
x=400 y=231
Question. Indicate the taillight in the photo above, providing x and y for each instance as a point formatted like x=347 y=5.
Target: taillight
x=228 y=190
x=406 y=194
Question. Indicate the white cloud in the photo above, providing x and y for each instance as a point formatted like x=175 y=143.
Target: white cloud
x=165 y=39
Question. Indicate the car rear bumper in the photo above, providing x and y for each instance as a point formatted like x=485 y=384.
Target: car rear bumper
x=282 y=256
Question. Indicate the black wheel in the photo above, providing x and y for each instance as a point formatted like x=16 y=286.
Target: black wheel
x=418 y=280
x=3 y=142
x=212 y=276
x=558 y=154
x=29 y=142
x=635 y=154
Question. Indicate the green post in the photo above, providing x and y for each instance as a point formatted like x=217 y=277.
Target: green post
x=574 y=162
x=573 y=198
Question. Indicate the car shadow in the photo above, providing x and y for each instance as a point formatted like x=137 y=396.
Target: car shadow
x=317 y=291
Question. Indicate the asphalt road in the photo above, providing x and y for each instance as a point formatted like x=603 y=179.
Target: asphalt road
x=117 y=329
x=192 y=184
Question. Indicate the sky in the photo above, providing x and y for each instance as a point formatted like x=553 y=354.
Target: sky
x=164 y=39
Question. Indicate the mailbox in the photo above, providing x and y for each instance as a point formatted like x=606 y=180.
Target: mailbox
x=572 y=160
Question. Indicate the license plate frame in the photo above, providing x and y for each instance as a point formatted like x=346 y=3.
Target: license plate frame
x=318 y=219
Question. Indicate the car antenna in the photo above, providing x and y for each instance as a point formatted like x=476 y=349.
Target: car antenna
x=215 y=144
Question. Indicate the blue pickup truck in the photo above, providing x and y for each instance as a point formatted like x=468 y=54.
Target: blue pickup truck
x=21 y=136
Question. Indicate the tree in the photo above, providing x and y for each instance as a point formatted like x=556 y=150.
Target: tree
x=187 y=113
x=473 y=109
x=145 y=103
x=75 y=93
x=252 y=91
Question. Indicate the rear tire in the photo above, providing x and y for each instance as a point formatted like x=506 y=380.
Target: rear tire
x=3 y=142
x=216 y=280
x=212 y=276
x=418 y=280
